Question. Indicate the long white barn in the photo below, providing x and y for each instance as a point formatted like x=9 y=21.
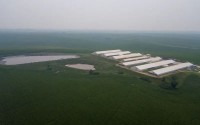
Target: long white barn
x=170 y=69
x=141 y=61
x=127 y=56
x=116 y=53
x=107 y=51
x=153 y=65
x=136 y=58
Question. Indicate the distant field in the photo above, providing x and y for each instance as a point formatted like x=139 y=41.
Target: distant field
x=36 y=94
x=185 y=46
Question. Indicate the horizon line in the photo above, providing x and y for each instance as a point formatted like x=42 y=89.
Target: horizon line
x=99 y=30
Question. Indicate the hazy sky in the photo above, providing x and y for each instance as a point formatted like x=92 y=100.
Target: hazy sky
x=155 y=15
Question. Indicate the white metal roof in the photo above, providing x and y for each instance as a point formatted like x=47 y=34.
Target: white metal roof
x=153 y=65
x=137 y=58
x=107 y=51
x=153 y=59
x=116 y=53
x=171 y=68
x=127 y=56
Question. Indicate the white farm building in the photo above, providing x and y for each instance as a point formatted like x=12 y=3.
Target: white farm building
x=107 y=51
x=153 y=65
x=136 y=58
x=170 y=69
x=153 y=59
x=116 y=53
x=127 y=56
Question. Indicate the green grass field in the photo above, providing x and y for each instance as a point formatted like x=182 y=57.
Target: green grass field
x=33 y=94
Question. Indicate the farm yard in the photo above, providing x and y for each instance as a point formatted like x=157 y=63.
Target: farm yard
x=155 y=66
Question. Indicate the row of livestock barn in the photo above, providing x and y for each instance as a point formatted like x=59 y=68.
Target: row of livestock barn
x=144 y=62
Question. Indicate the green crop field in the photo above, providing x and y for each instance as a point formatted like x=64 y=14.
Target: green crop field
x=34 y=94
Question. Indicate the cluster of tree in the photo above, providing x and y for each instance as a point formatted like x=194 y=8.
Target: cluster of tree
x=170 y=83
x=120 y=72
x=92 y=72
x=49 y=67
x=145 y=79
